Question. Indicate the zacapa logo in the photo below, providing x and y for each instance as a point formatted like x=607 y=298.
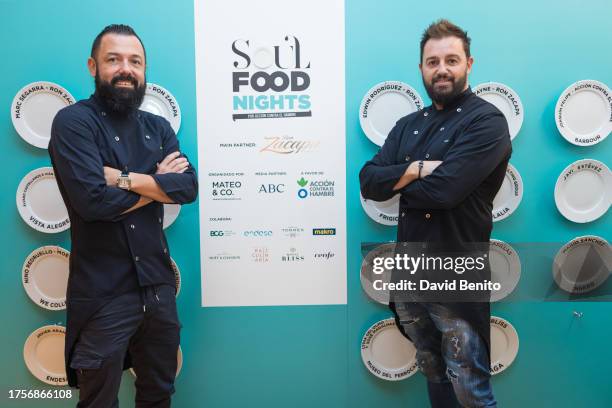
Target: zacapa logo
x=287 y=145
x=270 y=81
x=315 y=188
x=292 y=256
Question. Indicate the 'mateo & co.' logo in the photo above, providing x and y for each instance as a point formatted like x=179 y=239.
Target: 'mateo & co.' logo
x=323 y=231
x=315 y=188
x=226 y=190
x=270 y=81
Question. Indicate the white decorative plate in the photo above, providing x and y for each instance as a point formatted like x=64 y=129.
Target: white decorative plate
x=509 y=195
x=504 y=344
x=383 y=212
x=43 y=353
x=45 y=276
x=506 y=100
x=159 y=101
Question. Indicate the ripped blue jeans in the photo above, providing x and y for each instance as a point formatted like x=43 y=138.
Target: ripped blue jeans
x=450 y=353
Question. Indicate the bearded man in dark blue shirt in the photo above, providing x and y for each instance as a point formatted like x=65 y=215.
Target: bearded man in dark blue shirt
x=447 y=162
x=116 y=166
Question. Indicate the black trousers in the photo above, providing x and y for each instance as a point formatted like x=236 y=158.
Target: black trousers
x=143 y=323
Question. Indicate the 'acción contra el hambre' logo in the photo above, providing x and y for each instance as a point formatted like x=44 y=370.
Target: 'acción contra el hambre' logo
x=270 y=82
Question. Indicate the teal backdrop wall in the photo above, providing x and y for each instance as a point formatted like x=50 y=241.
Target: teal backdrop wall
x=310 y=356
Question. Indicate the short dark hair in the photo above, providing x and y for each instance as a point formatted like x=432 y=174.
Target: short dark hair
x=121 y=29
x=442 y=29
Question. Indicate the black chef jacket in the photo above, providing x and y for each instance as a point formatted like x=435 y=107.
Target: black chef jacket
x=111 y=253
x=455 y=202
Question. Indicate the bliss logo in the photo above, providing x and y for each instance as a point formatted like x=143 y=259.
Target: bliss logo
x=270 y=81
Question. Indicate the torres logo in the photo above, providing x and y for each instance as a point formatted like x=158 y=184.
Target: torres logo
x=270 y=81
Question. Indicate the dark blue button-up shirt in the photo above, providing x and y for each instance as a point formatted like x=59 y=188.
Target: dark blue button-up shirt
x=112 y=253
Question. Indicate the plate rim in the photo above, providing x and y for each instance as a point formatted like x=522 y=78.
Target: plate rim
x=385 y=325
x=370 y=209
x=567 y=93
x=362 y=267
x=516 y=258
x=521 y=117
x=513 y=349
x=29 y=347
x=369 y=131
x=175 y=123
x=510 y=169
x=30 y=288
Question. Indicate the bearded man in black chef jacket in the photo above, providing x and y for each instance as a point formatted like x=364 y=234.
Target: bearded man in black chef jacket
x=116 y=166
x=447 y=162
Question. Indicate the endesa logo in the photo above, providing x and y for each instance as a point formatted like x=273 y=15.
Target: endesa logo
x=270 y=81
x=257 y=234
x=323 y=231
x=271 y=188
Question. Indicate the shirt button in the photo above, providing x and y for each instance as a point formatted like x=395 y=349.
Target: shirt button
x=132 y=226
x=137 y=258
x=403 y=214
x=428 y=215
x=416 y=132
x=458 y=109
x=427 y=156
x=159 y=220
x=426 y=113
x=407 y=158
x=442 y=128
x=117 y=138
x=147 y=137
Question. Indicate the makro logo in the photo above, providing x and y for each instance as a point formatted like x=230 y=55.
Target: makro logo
x=288 y=145
x=257 y=234
x=315 y=188
x=324 y=255
x=226 y=190
x=270 y=81
x=323 y=231
x=271 y=188
x=292 y=256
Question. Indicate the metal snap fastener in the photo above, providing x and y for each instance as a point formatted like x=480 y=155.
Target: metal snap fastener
x=416 y=132
x=159 y=220
x=147 y=137
x=132 y=226
x=458 y=109
x=103 y=113
x=442 y=128
x=427 y=156
x=426 y=113
x=165 y=250
x=407 y=158
x=117 y=138
x=428 y=215
x=403 y=214
x=137 y=258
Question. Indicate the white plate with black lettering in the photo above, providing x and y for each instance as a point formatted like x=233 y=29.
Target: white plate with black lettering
x=43 y=353
x=40 y=203
x=367 y=275
x=179 y=363
x=509 y=196
x=177 y=276
x=504 y=344
x=383 y=212
x=33 y=110
x=159 y=101
x=505 y=268
x=506 y=100
x=584 y=112
x=583 y=264
x=583 y=192
x=45 y=276
x=383 y=105
x=171 y=213
x=386 y=353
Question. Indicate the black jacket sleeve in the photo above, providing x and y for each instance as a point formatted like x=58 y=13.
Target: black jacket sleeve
x=378 y=176
x=78 y=166
x=475 y=154
x=182 y=188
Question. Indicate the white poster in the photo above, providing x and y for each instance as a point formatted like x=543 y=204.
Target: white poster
x=271 y=152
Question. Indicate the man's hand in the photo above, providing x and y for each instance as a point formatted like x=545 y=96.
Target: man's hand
x=111 y=175
x=172 y=163
x=412 y=172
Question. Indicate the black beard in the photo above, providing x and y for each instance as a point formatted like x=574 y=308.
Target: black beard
x=444 y=98
x=120 y=100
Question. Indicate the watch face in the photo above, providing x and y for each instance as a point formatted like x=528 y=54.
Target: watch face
x=123 y=182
